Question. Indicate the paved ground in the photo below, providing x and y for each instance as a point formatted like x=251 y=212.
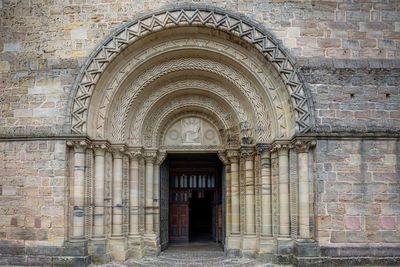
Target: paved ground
x=193 y=255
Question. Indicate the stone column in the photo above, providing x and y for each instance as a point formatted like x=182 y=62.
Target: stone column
x=283 y=159
x=150 y=157
x=266 y=203
x=234 y=160
x=134 y=192
x=228 y=199
x=98 y=215
x=79 y=189
x=248 y=155
x=117 y=192
x=302 y=148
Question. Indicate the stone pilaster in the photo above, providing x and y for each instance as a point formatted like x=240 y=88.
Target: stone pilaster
x=302 y=148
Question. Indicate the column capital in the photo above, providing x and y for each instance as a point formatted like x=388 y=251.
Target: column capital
x=303 y=146
x=118 y=151
x=264 y=150
x=281 y=148
x=150 y=155
x=79 y=145
x=100 y=148
x=135 y=153
x=233 y=155
x=161 y=156
x=247 y=152
x=222 y=155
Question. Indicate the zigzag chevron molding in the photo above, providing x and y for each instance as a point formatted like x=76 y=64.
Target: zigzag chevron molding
x=183 y=16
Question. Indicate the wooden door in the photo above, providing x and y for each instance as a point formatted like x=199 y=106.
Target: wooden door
x=179 y=216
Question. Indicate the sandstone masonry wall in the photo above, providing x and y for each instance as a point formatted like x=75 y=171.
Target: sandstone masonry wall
x=357 y=191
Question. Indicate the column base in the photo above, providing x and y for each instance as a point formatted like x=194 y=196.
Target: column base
x=232 y=245
x=135 y=247
x=117 y=248
x=267 y=248
x=284 y=249
x=249 y=245
x=151 y=245
x=98 y=250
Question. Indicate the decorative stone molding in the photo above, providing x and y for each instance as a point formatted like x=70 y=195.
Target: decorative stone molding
x=195 y=16
x=150 y=155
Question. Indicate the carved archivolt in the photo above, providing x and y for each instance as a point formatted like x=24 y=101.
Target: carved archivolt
x=276 y=97
x=118 y=118
x=142 y=109
x=196 y=16
x=156 y=119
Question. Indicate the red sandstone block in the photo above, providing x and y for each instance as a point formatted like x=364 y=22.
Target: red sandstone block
x=352 y=222
x=37 y=223
x=388 y=222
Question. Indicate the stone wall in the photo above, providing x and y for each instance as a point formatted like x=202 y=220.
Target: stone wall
x=357 y=191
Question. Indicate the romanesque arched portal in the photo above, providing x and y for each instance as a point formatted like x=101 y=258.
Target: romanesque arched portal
x=196 y=80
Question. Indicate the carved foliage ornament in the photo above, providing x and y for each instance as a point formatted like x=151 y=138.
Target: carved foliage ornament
x=196 y=16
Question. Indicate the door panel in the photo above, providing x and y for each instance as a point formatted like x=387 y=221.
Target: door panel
x=164 y=204
x=179 y=216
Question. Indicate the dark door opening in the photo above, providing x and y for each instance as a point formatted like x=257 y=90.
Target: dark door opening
x=195 y=198
x=200 y=216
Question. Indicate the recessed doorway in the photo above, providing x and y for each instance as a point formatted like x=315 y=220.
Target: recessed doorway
x=195 y=201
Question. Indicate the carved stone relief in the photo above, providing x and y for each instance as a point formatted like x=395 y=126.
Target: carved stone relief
x=191 y=131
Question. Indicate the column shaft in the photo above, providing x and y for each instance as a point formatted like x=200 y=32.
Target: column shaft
x=283 y=191
x=79 y=191
x=228 y=197
x=149 y=195
x=266 y=214
x=235 y=195
x=134 y=196
x=249 y=175
x=98 y=220
x=117 y=194
x=156 y=199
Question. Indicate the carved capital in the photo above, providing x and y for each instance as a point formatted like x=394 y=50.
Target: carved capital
x=99 y=149
x=303 y=146
x=150 y=155
x=79 y=146
x=247 y=153
x=118 y=151
x=222 y=155
x=135 y=153
x=161 y=156
x=281 y=148
x=233 y=156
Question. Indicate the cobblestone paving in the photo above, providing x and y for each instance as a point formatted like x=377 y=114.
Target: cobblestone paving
x=194 y=254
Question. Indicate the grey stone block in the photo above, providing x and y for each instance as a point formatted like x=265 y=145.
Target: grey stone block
x=306 y=248
x=39 y=260
x=285 y=246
